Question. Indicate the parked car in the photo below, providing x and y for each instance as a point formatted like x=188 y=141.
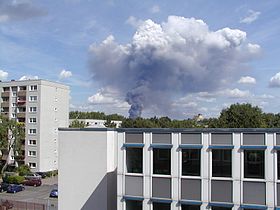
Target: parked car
x=54 y=193
x=42 y=174
x=4 y=187
x=14 y=188
x=33 y=182
x=33 y=175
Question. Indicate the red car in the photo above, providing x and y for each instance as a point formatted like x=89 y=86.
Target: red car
x=33 y=182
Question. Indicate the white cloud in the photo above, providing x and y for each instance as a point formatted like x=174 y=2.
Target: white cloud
x=236 y=93
x=133 y=21
x=29 y=77
x=108 y=97
x=155 y=9
x=251 y=17
x=3 y=75
x=65 y=74
x=254 y=48
x=247 y=80
x=275 y=80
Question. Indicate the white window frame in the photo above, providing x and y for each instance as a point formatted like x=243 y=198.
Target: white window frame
x=33 y=98
x=32 y=163
x=32 y=140
x=33 y=109
x=33 y=120
x=32 y=153
x=32 y=129
x=33 y=88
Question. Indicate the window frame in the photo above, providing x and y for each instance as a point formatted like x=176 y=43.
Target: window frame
x=153 y=162
x=32 y=109
x=212 y=165
x=200 y=164
x=126 y=156
x=244 y=165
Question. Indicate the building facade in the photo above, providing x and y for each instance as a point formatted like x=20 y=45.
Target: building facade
x=43 y=106
x=171 y=169
x=96 y=123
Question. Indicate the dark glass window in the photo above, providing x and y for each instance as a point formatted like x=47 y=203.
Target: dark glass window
x=254 y=164
x=221 y=163
x=161 y=206
x=133 y=205
x=161 y=161
x=191 y=162
x=220 y=208
x=278 y=164
x=190 y=207
x=134 y=160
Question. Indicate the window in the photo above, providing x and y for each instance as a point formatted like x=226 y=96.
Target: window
x=221 y=162
x=33 y=87
x=32 y=109
x=133 y=205
x=32 y=98
x=254 y=164
x=32 y=165
x=190 y=207
x=55 y=109
x=220 y=208
x=32 y=153
x=13 y=104
x=278 y=164
x=161 y=161
x=13 y=115
x=134 y=160
x=14 y=94
x=161 y=206
x=32 y=120
x=32 y=142
x=32 y=131
x=191 y=162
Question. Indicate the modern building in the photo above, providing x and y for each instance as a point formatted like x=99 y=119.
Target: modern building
x=169 y=169
x=43 y=106
x=96 y=123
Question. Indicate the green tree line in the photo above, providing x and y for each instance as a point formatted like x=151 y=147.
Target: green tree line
x=235 y=116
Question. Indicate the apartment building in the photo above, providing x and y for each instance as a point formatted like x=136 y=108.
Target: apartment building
x=43 y=106
x=169 y=169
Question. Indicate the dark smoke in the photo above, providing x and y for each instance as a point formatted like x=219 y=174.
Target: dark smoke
x=164 y=62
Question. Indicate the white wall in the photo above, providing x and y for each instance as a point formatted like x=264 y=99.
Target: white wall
x=87 y=164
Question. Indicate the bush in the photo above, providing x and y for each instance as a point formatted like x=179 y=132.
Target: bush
x=23 y=170
x=14 y=179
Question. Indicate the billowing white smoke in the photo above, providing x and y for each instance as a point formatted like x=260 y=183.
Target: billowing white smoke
x=170 y=59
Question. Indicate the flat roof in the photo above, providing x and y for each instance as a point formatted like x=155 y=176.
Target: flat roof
x=180 y=130
x=30 y=81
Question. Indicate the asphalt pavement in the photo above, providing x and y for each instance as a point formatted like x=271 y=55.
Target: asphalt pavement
x=35 y=194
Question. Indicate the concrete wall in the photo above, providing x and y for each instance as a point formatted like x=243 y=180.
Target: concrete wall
x=87 y=170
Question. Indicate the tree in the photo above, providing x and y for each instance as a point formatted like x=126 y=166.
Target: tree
x=77 y=124
x=11 y=135
x=241 y=116
x=110 y=124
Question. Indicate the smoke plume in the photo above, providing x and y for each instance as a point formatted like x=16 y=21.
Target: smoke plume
x=165 y=61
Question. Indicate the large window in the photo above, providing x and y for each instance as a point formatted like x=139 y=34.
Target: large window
x=161 y=206
x=191 y=162
x=134 y=160
x=221 y=162
x=278 y=164
x=161 y=161
x=190 y=207
x=133 y=205
x=254 y=164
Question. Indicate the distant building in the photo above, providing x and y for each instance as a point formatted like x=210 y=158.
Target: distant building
x=43 y=106
x=94 y=123
x=169 y=169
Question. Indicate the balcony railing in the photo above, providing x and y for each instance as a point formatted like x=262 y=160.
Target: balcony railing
x=22 y=93
x=21 y=115
x=5 y=104
x=5 y=94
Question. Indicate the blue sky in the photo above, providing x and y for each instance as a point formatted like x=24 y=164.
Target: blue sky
x=64 y=41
